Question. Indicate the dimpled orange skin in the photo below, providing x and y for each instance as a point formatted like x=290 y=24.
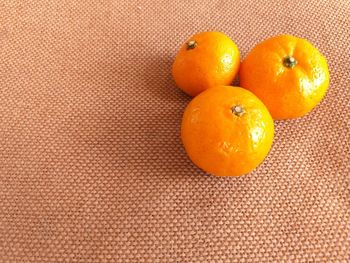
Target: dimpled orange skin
x=212 y=60
x=288 y=90
x=222 y=140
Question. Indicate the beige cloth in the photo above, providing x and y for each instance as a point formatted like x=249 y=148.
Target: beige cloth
x=91 y=164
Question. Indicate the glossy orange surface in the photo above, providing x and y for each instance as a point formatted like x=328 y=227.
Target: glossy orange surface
x=288 y=74
x=205 y=60
x=227 y=131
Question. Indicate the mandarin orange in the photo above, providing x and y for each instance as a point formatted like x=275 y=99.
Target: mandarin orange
x=288 y=74
x=227 y=131
x=205 y=60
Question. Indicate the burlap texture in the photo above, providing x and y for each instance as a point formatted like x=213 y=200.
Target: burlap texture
x=91 y=164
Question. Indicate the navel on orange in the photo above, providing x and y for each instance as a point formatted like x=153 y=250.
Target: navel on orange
x=227 y=131
x=205 y=60
x=288 y=74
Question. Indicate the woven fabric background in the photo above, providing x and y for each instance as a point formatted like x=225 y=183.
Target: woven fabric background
x=91 y=164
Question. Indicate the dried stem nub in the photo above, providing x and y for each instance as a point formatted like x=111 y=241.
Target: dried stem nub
x=289 y=62
x=238 y=110
x=191 y=44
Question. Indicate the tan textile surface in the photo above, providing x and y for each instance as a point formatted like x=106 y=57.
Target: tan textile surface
x=91 y=164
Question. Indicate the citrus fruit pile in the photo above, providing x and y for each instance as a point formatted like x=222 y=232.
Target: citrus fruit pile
x=226 y=130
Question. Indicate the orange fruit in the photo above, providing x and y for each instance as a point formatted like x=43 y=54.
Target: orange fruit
x=288 y=74
x=227 y=131
x=205 y=60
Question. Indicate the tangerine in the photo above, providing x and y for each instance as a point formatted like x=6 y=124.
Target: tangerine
x=205 y=60
x=288 y=74
x=227 y=131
